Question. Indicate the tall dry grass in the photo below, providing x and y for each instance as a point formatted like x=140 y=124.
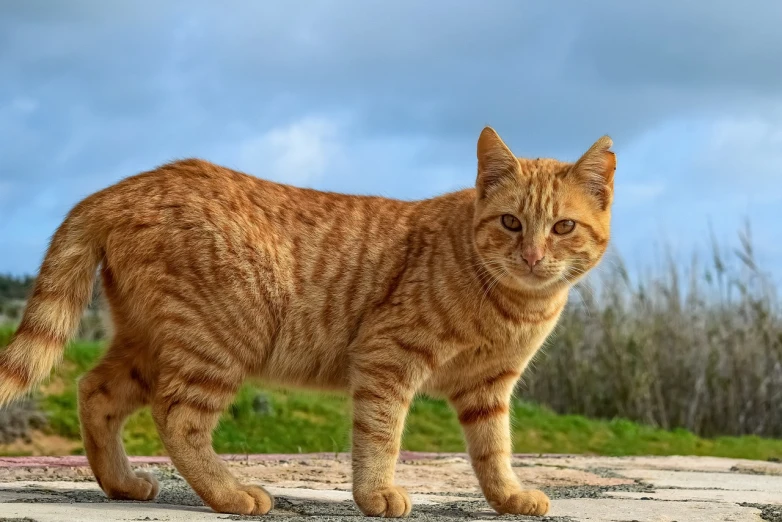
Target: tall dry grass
x=698 y=347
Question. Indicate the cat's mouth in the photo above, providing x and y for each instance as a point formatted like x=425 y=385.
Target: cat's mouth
x=532 y=276
x=536 y=275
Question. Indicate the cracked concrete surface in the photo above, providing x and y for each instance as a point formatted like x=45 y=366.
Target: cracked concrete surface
x=442 y=486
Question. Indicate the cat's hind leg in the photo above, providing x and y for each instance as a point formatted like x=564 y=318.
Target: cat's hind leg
x=196 y=383
x=108 y=394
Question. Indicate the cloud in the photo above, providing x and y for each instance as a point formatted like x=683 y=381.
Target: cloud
x=5 y=191
x=694 y=48
x=299 y=153
x=389 y=97
x=746 y=154
x=541 y=74
x=23 y=105
x=632 y=194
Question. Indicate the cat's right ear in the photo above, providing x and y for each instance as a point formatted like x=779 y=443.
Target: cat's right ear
x=496 y=162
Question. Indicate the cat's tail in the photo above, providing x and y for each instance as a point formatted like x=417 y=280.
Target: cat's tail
x=62 y=290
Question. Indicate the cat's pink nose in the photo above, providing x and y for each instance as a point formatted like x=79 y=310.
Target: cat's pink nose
x=532 y=256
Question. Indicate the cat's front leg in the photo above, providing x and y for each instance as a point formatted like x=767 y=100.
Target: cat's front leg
x=483 y=409
x=384 y=381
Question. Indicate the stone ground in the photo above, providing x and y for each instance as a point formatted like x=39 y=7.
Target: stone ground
x=442 y=486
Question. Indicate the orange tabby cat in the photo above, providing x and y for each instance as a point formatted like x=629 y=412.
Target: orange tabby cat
x=214 y=276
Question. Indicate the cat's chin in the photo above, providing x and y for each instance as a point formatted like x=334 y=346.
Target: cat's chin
x=528 y=280
x=543 y=282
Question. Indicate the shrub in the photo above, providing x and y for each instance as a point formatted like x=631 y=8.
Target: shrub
x=698 y=347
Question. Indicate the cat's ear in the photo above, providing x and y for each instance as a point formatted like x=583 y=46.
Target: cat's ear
x=595 y=171
x=496 y=162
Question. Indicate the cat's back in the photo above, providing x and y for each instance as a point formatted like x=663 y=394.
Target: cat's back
x=194 y=218
x=197 y=194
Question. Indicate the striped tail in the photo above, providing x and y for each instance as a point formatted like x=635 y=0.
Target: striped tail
x=62 y=290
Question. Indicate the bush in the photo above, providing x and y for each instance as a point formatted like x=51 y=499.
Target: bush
x=697 y=348
x=18 y=419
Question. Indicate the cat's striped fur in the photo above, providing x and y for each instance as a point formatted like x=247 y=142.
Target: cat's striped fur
x=213 y=276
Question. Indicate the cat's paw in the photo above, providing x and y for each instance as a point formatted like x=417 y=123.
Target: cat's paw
x=523 y=502
x=391 y=502
x=245 y=500
x=142 y=486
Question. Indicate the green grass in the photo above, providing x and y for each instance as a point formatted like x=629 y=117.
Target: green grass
x=297 y=421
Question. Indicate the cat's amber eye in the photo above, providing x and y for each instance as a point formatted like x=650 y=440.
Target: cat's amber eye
x=565 y=226
x=510 y=222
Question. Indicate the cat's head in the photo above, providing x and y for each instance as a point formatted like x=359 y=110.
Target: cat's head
x=542 y=223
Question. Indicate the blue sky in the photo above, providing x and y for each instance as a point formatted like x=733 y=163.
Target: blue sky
x=381 y=97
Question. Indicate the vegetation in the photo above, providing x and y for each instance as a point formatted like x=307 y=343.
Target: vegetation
x=659 y=358
x=13 y=292
x=698 y=348
x=271 y=421
x=15 y=288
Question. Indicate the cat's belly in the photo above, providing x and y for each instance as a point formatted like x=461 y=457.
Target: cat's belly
x=309 y=355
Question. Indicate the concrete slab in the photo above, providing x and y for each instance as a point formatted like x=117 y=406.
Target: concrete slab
x=616 y=510
x=758 y=467
x=710 y=495
x=703 y=480
x=442 y=487
x=106 y=512
x=673 y=463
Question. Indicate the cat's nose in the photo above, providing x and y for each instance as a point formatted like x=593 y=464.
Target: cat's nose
x=532 y=255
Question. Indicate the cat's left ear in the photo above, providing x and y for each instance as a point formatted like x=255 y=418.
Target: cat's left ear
x=595 y=171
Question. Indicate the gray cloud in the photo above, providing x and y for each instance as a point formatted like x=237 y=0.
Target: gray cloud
x=546 y=75
x=94 y=90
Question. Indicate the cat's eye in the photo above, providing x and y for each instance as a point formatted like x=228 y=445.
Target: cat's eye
x=510 y=222
x=565 y=226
